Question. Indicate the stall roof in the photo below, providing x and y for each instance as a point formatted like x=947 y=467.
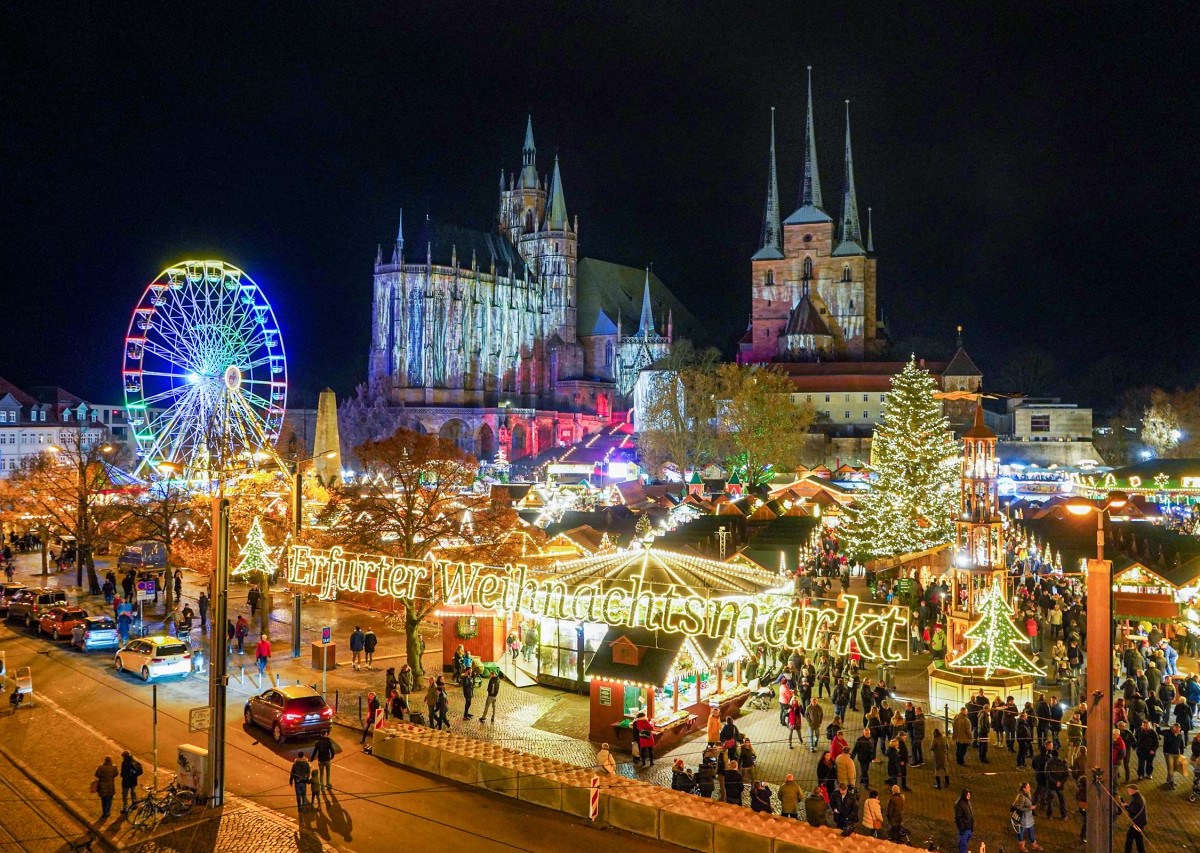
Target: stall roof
x=657 y=653
x=695 y=575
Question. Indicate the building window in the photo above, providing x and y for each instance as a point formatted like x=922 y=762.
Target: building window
x=808 y=268
x=846 y=273
x=847 y=400
x=1039 y=423
x=847 y=414
x=810 y=398
x=608 y=355
x=882 y=397
x=769 y=279
x=866 y=398
x=866 y=415
x=826 y=398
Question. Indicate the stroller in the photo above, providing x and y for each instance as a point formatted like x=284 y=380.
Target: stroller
x=762 y=697
x=1195 y=792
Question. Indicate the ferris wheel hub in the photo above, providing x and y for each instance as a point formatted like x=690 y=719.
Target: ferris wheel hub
x=233 y=377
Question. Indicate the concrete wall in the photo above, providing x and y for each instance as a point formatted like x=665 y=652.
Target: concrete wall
x=1065 y=422
x=1046 y=453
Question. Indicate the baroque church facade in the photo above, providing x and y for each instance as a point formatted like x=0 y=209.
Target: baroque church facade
x=475 y=329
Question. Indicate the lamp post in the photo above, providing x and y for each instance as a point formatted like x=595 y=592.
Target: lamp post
x=297 y=525
x=1099 y=674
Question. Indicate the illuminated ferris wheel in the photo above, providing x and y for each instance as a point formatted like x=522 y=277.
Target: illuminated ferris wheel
x=205 y=373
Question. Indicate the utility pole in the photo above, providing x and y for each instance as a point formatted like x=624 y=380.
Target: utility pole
x=217 y=675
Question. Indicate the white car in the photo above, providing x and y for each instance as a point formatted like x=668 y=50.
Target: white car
x=151 y=657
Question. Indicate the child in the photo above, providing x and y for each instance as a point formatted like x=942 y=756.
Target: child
x=314 y=787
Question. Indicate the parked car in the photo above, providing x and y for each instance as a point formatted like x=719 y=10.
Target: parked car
x=9 y=591
x=151 y=657
x=96 y=632
x=290 y=711
x=59 y=622
x=29 y=605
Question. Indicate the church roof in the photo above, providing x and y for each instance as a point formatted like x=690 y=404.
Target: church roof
x=961 y=365
x=444 y=238
x=610 y=291
x=767 y=253
x=848 y=248
x=807 y=214
x=979 y=429
x=806 y=319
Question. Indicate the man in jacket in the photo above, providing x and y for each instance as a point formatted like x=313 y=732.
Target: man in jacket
x=789 y=796
x=847 y=810
x=299 y=779
x=841 y=698
x=493 y=691
x=1024 y=738
x=733 y=783
x=964 y=820
x=369 y=642
x=918 y=737
x=816 y=810
x=895 y=815
x=1172 y=747
x=131 y=769
x=372 y=707
x=864 y=754
x=1136 y=809
x=467 y=682
x=356 y=646
x=1146 y=741
x=252 y=600
x=106 y=788
x=323 y=754
x=963 y=736
x=814 y=716
x=405 y=681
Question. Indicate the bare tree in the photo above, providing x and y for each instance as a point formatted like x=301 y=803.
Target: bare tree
x=159 y=513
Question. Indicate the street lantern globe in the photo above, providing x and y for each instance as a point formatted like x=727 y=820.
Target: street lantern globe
x=1116 y=500
x=1079 y=506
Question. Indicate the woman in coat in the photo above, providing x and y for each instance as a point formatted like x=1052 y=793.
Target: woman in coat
x=872 y=814
x=983 y=737
x=941 y=759
x=106 y=787
x=893 y=762
x=795 y=719
x=826 y=772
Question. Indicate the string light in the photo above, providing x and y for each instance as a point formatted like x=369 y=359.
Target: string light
x=996 y=644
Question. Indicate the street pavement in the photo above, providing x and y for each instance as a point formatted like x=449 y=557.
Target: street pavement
x=84 y=710
x=521 y=724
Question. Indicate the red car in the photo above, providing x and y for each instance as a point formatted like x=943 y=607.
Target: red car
x=59 y=622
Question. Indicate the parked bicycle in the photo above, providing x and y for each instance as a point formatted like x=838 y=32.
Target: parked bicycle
x=172 y=801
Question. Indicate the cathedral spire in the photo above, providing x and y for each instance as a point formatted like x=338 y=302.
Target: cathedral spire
x=556 y=217
x=646 y=326
x=529 y=175
x=811 y=207
x=851 y=228
x=772 y=244
x=398 y=251
x=870 y=232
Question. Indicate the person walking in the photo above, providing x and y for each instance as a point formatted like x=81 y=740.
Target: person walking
x=1136 y=809
x=202 y=606
x=964 y=820
x=467 y=682
x=262 y=655
x=300 y=778
x=356 y=647
x=493 y=692
x=795 y=720
x=1146 y=740
x=372 y=707
x=105 y=786
x=816 y=809
x=240 y=631
x=441 y=708
x=252 y=599
x=405 y=681
x=1172 y=747
x=370 y=641
x=131 y=769
x=941 y=759
x=314 y=788
x=643 y=733
x=895 y=816
x=431 y=697
x=963 y=736
x=864 y=753
x=918 y=737
x=814 y=715
x=322 y=753
x=1025 y=807
x=872 y=814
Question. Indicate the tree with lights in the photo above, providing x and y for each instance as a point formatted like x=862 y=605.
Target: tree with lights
x=914 y=459
x=256 y=554
x=996 y=642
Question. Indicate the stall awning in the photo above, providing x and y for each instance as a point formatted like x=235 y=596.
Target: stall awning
x=656 y=654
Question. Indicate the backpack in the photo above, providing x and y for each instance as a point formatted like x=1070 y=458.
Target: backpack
x=137 y=768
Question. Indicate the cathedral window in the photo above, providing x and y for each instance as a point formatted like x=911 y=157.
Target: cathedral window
x=769 y=279
x=608 y=355
x=808 y=268
x=846 y=273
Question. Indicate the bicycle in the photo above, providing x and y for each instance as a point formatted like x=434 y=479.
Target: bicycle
x=174 y=801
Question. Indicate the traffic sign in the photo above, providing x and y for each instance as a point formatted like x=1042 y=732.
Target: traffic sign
x=326 y=635
x=199 y=719
x=145 y=589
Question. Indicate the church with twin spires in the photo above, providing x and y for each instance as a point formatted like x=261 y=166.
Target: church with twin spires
x=813 y=278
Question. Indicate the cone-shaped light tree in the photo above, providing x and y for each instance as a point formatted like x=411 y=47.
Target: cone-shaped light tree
x=256 y=554
x=914 y=459
x=996 y=643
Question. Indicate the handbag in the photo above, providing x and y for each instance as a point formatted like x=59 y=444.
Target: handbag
x=95 y=786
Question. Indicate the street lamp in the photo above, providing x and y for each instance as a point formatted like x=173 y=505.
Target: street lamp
x=1099 y=673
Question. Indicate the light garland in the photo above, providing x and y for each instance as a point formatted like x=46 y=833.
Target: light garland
x=996 y=641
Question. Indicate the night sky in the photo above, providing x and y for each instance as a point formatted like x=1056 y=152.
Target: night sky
x=1032 y=166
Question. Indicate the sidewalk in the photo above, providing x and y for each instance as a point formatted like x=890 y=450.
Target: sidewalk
x=32 y=739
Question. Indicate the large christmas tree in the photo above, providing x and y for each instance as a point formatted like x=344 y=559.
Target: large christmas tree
x=996 y=643
x=256 y=554
x=914 y=459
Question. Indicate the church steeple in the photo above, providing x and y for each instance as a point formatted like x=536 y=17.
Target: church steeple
x=646 y=326
x=851 y=227
x=398 y=251
x=811 y=207
x=529 y=175
x=870 y=232
x=772 y=235
x=556 y=217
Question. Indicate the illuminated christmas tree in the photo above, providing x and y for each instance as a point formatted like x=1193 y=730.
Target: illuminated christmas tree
x=996 y=642
x=914 y=459
x=256 y=555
